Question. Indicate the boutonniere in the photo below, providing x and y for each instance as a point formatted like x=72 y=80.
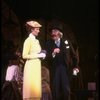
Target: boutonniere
x=66 y=42
x=67 y=45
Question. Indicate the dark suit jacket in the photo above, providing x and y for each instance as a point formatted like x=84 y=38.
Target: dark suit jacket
x=66 y=56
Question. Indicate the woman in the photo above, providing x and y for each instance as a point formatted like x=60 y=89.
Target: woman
x=32 y=70
x=11 y=88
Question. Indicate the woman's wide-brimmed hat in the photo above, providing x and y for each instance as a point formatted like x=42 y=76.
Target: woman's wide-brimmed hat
x=33 y=24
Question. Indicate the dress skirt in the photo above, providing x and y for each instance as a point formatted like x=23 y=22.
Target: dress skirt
x=10 y=91
x=32 y=80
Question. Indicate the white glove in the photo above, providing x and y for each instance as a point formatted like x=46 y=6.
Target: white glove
x=42 y=55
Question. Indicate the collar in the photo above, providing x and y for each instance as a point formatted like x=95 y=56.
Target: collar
x=32 y=36
x=58 y=40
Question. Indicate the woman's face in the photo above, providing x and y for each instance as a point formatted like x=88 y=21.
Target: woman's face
x=35 y=31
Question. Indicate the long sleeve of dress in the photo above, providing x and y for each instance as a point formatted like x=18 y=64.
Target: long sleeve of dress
x=27 y=48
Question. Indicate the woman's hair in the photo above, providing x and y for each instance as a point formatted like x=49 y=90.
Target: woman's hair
x=28 y=28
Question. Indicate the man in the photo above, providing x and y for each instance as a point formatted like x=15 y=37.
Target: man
x=58 y=53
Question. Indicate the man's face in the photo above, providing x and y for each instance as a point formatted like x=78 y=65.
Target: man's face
x=55 y=34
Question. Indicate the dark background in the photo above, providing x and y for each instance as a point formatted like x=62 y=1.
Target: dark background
x=83 y=18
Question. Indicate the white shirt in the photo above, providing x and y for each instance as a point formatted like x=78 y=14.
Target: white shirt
x=12 y=73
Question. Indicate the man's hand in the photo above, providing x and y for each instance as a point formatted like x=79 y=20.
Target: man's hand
x=75 y=71
x=56 y=50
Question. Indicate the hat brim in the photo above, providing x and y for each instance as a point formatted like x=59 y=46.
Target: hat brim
x=34 y=24
x=56 y=28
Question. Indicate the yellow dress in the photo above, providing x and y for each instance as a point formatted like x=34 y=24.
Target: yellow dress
x=32 y=69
